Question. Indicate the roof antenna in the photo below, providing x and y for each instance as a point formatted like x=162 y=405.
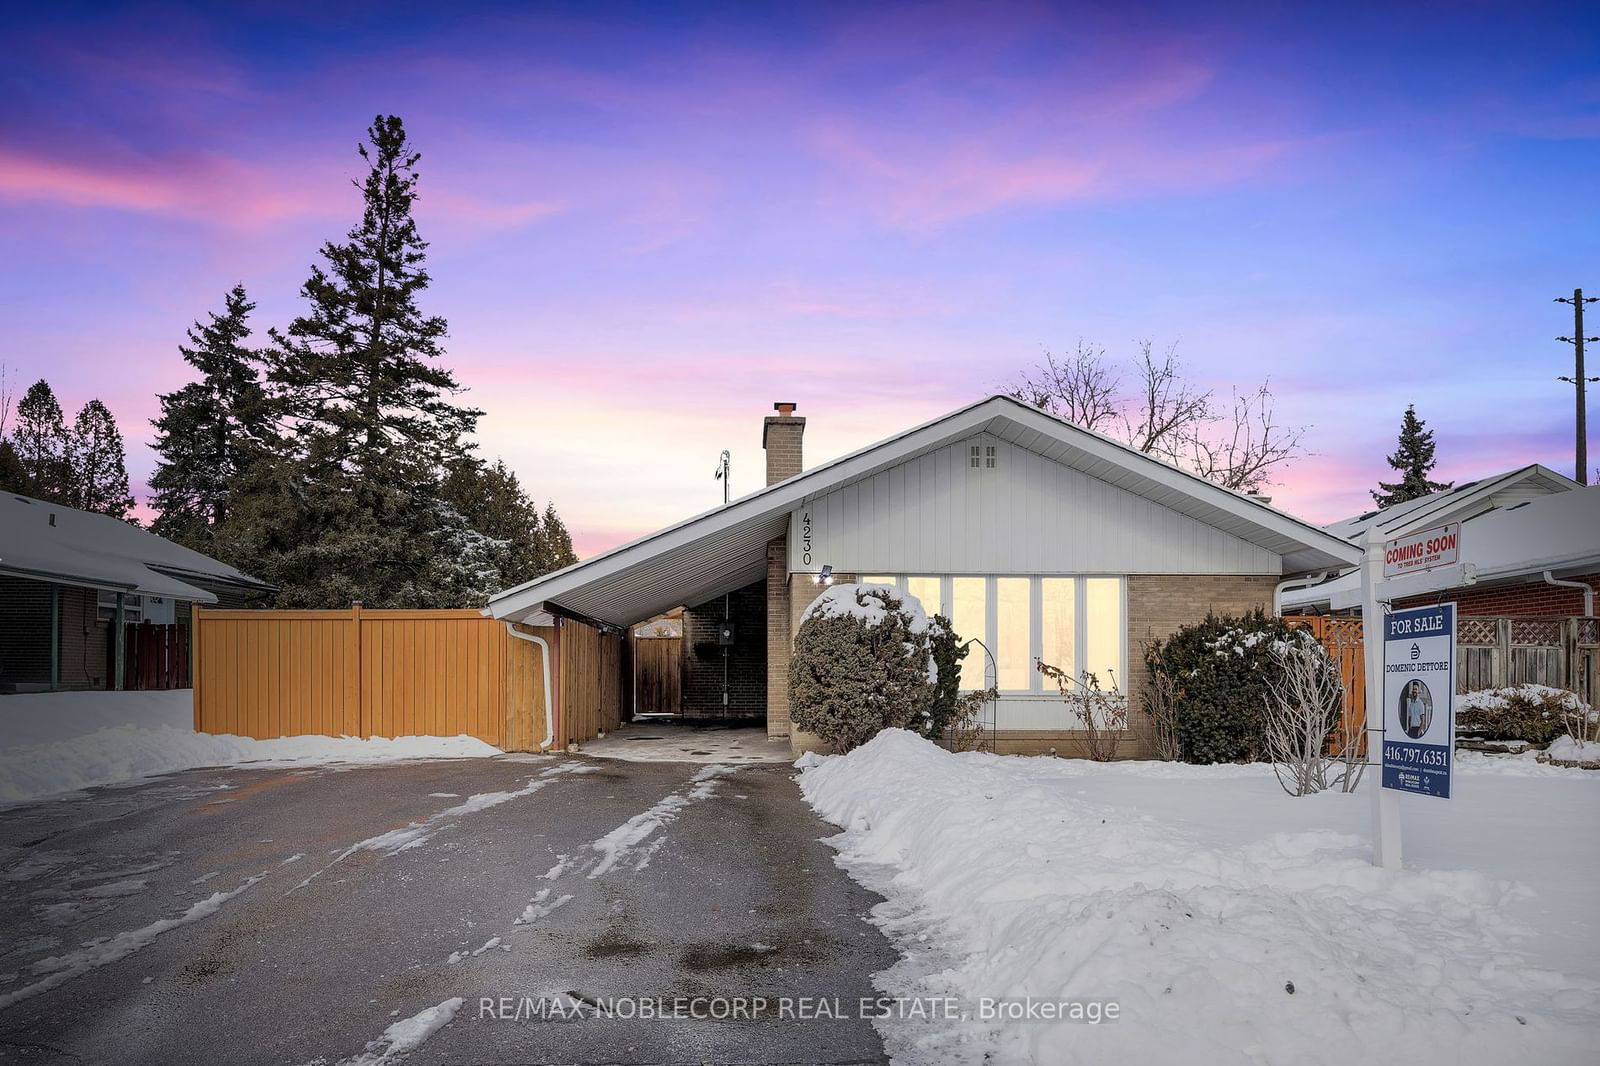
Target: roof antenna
x=723 y=474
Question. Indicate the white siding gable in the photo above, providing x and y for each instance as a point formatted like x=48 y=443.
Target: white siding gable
x=936 y=513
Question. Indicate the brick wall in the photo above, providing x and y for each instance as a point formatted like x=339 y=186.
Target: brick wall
x=746 y=660
x=1529 y=599
x=781 y=436
x=1160 y=604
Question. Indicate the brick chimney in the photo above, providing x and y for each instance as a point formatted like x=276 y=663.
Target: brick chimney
x=780 y=436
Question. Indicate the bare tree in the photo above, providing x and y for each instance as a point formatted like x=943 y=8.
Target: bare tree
x=1250 y=443
x=1239 y=447
x=1103 y=711
x=1161 y=706
x=1078 y=386
x=1304 y=706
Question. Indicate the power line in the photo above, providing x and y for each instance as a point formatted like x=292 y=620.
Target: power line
x=1577 y=340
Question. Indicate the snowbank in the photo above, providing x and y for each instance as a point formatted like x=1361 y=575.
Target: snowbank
x=1008 y=878
x=62 y=741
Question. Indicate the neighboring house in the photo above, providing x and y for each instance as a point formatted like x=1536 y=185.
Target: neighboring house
x=1041 y=539
x=1532 y=535
x=66 y=576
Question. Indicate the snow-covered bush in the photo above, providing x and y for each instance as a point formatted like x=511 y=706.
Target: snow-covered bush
x=1533 y=713
x=862 y=663
x=1219 y=669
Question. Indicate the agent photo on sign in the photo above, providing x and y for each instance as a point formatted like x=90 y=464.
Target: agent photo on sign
x=1416 y=709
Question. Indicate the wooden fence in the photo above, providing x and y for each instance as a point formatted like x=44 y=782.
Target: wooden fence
x=1490 y=653
x=153 y=656
x=366 y=673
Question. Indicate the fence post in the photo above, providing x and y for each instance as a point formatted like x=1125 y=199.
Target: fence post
x=361 y=671
x=1502 y=653
x=194 y=658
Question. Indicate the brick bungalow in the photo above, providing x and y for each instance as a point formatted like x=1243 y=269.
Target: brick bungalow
x=68 y=576
x=1031 y=534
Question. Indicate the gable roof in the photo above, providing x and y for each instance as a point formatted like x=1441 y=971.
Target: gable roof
x=726 y=548
x=1552 y=532
x=44 y=541
x=1455 y=503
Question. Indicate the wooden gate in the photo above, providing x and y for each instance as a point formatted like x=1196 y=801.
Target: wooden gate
x=658 y=673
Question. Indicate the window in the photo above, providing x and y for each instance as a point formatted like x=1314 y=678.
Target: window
x=1075 y=623
x=1104 y=631
x=926 y=590
x=976 y=453
x=988 y=456
x=969 y=617
x=1013 y=643
x=1058 y=609
x=106 y=606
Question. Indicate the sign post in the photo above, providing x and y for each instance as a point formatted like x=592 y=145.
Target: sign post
x=1410 y=678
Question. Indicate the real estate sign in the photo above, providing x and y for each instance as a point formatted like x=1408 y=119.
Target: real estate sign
x=1419 y=699
x=1423 y=550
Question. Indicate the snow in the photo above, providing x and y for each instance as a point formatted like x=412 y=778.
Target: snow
x=406 y=1035
x=57 y=742
x=1196 y=897
x=57 y=970
x=1566 y=749
x=1499 y=699
x=853 y=600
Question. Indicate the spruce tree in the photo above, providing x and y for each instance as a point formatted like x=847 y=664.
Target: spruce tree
x=356 y=492
x=211 y=430
x=99 y=469
x=359 y=373
x=557 y=541
x=40 y=442
x=1413 y=458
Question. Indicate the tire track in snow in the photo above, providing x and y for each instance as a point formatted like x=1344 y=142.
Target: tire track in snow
x=419 y=833
x=63 y=968
x=628 y=845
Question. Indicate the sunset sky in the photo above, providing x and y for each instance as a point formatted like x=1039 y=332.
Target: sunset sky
x=650 y=221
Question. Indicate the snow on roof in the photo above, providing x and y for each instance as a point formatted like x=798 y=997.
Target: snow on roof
x=1559 y=532
x=47 y=541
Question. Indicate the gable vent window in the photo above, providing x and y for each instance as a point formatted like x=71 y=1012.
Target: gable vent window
x=976 y=454
x=988 y=457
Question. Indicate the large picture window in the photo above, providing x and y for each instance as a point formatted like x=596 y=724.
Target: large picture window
x=1075 y=623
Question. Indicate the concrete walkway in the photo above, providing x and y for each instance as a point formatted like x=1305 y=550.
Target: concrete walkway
x=676 y=741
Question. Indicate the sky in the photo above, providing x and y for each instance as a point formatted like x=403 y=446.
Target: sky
x=649 y=222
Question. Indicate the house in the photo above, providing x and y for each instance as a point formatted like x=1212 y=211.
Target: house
x=68 y=576
x=1532 y=536
x=1035 y=536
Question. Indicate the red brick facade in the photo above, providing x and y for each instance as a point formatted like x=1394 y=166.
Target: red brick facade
x=1526 y=599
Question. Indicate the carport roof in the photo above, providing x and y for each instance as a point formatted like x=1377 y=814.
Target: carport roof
x=725 y=549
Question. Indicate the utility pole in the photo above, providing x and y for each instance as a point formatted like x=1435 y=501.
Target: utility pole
x=1577 y=379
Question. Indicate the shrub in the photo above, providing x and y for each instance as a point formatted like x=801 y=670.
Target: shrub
x=1534 y=713
x=945 y=708
x=1220 y=669
x=862 y=663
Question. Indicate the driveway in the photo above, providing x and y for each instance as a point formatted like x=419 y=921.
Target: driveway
x=297 y=916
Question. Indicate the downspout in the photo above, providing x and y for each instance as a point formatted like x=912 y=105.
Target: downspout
x=1293 y=582
x=549 y=693
x=1588 y=590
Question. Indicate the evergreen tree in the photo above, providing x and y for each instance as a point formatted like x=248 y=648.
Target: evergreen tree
x=40 y=442
x=359 y=374
x=558 y=542
x=99 y=480
x=1413 y=458
x=351 y=507
x=13 y=478
x=211 y=430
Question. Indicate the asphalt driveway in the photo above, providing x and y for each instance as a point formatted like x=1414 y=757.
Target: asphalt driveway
x=297 y=916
